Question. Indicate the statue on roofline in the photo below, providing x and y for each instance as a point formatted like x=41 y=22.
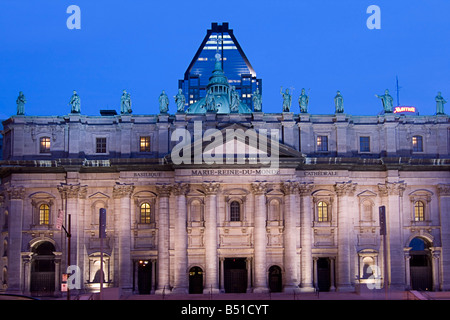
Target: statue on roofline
x=21 y=104
x=75 y=103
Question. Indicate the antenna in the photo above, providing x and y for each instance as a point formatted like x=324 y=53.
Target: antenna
x=398 y=90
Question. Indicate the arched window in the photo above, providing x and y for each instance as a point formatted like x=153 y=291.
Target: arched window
x=235 y=211
x=322 y=211
x=145 y=211
x=417 y=144
x=274 y=210
x=196 y=211
x=419 y=211
x=44 y=145
x=44 y=214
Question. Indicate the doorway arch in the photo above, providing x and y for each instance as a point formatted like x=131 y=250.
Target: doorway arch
x=275 y=279
x=420 y=264
x=43 y=269
x=195 y=280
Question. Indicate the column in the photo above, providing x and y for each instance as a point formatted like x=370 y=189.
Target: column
x=394 y=238
x=290 y=190
x=211 y=265
x=407 y=268
x=163 y=239
x=122 y=197
x=16 y=196
x=181 y=284
x=444 y=209
x=306 y=218
x=70 y=195
x=26 y=260
x=435 y=259
x=260 y=238
x=222 y=275
x=344 y=190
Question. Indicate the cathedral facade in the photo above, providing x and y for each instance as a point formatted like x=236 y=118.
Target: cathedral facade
x=223 y=197
x=311 y=222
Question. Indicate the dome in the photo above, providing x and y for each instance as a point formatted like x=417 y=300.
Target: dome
x=219 y=93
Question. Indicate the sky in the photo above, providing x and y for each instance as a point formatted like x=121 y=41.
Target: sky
x=145 y=46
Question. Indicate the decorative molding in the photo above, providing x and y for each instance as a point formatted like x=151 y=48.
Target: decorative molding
x=211 y=188
x=16 y=193
x=443 y=189
x=289 y=187
x=345 y=188
x=164 y=190
x=122 y=190
x=259 y=188
x=72 y=191
x=181 y=189
x=392 y=188
x=305 y=188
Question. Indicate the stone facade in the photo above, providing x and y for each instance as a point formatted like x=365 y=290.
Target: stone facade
x=311 y=223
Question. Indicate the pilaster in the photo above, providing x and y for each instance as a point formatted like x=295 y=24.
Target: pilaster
x=344 y=191
x=122 y=204
x=181 y=284
x=163 y=239
x=259 y=190
x=211 y=282
x=290 y=190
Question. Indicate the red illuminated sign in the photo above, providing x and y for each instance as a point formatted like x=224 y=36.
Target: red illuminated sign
x=405 y=109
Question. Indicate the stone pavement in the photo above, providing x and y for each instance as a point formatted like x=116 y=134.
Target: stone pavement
x=366 y=295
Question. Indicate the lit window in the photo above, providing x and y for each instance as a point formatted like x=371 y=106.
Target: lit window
x=322 y=143
x=419 y=207
x=44 y=212
x=417 y=144
x=235 y=211
x=145 y=213
x=322 y=211
x=44 y=145
x=364 y=144
x=144 y=144
x=101 y=145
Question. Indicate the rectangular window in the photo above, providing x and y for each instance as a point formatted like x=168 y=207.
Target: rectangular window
x=322 y=143
x=44 y=146
x=364 y=144
x=100 y=145
x=144 y=144
x=417 y=144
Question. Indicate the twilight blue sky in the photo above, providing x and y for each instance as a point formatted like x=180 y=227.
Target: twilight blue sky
x=145 y=46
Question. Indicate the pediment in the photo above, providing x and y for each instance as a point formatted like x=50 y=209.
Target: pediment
x=367 y=193
x=98 y=195
x=238 y=141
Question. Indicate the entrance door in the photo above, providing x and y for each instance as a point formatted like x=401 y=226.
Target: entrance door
x=420 y=265
x=275 y=283
x=235 y=275
x=43 y=270
x=323 y=274
x=195 y=280
x=144 y=277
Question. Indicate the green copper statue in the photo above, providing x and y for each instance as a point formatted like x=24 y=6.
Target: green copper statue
x=180 y=101
x=287 y=100
x=387 y=101
x=21 y=104
x=257 y=101
x=210 y=102
x=303 y=102
x=235 y=100
x=440 y=101
x=75 y=103
x=163 y=102
x=125 y=103
x=339 y=102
